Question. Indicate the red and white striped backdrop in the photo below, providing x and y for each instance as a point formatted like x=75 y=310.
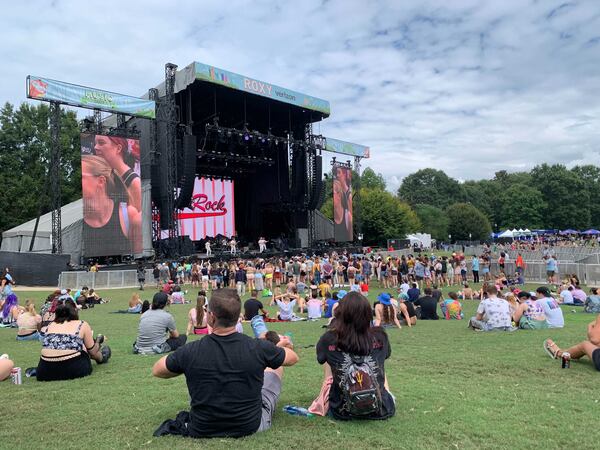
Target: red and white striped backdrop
x=212 y=211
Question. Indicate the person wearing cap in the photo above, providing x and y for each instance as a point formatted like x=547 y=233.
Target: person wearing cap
x=157 y=332
x=529 y=315
x=554 y=315
x=386 y=314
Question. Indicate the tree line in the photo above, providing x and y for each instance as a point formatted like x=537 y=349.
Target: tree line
x=25 y=159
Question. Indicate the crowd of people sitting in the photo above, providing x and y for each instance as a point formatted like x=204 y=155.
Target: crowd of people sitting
x=248 y=372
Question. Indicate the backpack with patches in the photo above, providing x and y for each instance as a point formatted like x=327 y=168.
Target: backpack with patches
x=360 y=389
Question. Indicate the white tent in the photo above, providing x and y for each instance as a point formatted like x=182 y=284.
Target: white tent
x=506 y=234
x=420 y=238
x=18 y=239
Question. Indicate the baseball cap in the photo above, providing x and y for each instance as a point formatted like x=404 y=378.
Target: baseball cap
x=341 y=293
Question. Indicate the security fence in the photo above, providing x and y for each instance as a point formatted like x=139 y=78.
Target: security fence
x=102 y=280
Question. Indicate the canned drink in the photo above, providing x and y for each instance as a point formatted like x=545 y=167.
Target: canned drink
x=15 y=376
x=566 y=360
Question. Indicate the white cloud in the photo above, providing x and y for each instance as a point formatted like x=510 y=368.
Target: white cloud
x=465 y=86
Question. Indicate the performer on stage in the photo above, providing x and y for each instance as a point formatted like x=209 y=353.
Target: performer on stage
x=233 y=246
x=208 y=250
x=262 y=245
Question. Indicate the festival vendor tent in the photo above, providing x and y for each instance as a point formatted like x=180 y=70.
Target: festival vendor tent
x=591 y=232
x=568 y=231
x=506 y=234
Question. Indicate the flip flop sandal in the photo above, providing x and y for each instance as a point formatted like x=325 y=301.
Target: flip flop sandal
x=548 y=348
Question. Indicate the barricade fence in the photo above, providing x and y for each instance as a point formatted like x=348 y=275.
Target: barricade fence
x=535 y=271
x=102 y=280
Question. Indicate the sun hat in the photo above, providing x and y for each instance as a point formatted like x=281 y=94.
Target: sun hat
x=341 y=293
x=384 y=298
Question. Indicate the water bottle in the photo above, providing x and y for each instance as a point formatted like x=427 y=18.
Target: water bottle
x=297 y=411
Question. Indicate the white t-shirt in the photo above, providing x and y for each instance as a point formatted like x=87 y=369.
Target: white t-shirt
x=496 y=312
x=567 y=297
x=404 y=287
x=554 y=315
x=286 y=310
x=314 y=308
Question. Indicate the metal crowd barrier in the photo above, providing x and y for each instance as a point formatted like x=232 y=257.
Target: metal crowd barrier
x=102 y=279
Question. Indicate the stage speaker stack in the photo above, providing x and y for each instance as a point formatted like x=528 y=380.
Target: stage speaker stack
x=298 y=177
x=188 y=172
x=317 y=184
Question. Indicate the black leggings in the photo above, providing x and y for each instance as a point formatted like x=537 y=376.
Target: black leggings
x=76 y=367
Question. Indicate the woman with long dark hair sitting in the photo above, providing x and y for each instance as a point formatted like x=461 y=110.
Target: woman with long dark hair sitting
x=353 y=354
x=68 y=346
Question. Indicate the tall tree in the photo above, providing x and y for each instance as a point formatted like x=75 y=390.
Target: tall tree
x=371 y=180
x=565 y=194
x=431 y=187
x=433 y=221
x=25 y=156
x=590 y=175
x=386 y=217
x=482 y=194
x=465 y=219
x=521 y=206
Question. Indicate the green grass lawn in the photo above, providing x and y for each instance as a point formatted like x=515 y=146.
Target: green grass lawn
x=455 y=389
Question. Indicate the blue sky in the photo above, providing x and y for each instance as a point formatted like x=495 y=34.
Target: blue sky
x=470 y=87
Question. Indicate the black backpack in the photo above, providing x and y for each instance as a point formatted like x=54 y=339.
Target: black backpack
x=361 y=392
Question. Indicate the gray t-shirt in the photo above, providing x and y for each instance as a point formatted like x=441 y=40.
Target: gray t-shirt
x=153 y=328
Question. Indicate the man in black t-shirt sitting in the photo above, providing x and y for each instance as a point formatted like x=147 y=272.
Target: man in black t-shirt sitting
x=428 y=306
x=234 y=381
x=252 y=306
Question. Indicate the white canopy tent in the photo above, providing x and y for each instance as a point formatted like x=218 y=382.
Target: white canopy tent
x=506 y=234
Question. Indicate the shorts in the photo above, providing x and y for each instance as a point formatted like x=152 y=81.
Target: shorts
x=418 y=278
x=270 y=392
x=550 y=273
x=596 y=358
x=204 y=277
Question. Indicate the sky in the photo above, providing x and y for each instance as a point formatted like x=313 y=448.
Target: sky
x=468 y=86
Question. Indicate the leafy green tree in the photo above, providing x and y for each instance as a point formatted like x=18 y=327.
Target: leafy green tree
x=482 y=194
x=521 y=206
x=433 y=221
x=25 y=156
x=590 y=175
x=386 y=217
x=431 y=187
x=465 y=219
x=371 y=180
x=566 y=196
